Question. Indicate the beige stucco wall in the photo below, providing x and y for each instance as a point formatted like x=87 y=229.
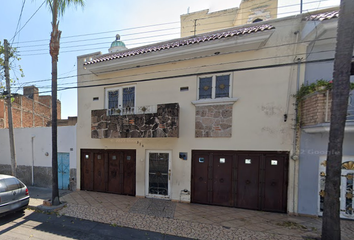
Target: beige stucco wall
x=249 y=10
x=264 y=95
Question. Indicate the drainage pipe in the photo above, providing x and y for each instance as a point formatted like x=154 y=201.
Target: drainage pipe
x=32 y=142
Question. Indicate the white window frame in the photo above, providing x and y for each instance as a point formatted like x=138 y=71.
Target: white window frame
x=213 y=92
x=120 y=95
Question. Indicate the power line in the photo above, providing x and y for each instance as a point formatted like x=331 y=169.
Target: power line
x=112 y=31
x=194 y=74
x=29 y=19
x=99 y=48
x=243 y=61
x=90 y=34
x=189 y=68
x=18 y=21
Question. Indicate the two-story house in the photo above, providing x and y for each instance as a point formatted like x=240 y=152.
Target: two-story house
x=204 y=119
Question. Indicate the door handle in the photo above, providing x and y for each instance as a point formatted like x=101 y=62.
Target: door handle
x=169 y=174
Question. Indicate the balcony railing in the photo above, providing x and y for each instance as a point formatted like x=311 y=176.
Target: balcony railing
x=159 y=121
x=316 y=108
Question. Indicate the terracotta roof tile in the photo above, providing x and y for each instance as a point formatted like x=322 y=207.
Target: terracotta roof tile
x=323 y=16
x=182 y=42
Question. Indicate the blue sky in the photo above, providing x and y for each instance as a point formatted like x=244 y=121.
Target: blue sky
x=93 y=28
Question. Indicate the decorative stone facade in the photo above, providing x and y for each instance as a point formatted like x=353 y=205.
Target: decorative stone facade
x=314 y=108
x=213 y=121
x=163 y=123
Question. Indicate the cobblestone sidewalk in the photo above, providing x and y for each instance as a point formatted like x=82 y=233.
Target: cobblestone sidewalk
x=191 y=220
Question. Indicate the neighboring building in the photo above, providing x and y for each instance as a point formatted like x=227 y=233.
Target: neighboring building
x=71 y=121
x=29 y=109
x=31 y=115
x=34 y=156
x=250 y=11
x=320 y=32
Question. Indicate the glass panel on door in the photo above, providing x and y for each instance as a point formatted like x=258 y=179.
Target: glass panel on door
x=158 y=173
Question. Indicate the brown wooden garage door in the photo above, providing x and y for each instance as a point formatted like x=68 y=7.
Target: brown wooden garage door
x=252 y=180
x=110 y=171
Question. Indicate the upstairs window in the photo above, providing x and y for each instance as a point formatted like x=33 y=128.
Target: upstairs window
x=120 y=100
x=216 y=86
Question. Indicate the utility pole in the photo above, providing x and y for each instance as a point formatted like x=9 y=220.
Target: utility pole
x=9 y=109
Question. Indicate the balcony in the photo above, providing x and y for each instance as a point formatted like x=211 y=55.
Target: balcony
x=315 y=111
x=161 y=121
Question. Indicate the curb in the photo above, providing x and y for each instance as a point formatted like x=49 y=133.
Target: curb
x=48 y=209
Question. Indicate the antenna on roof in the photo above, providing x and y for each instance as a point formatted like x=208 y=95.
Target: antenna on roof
x=188 y=10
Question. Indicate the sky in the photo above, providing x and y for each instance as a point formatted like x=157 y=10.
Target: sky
x=93 y=28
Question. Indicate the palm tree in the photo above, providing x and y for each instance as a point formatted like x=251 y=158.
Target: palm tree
x=341 y=86
x=57 y=7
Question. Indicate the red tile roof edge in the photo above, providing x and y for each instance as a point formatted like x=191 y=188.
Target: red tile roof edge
x=182 y=42
x=323 y=16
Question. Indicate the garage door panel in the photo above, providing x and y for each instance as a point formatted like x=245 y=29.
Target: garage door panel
x=248 y=181
x=274 y=184
x=99 y=172
x=129 y=166
x=87 y=171
x=222 y=180
x=252 y=180
x=108 y=171
x=114 y=175
x=200 y=178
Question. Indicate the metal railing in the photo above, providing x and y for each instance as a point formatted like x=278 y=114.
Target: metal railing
x=132 y=110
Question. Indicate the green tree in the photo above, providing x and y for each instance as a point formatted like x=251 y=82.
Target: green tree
x=13 y=55
x=57 y=8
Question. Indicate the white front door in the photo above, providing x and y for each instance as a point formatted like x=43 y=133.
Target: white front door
x=158 y=174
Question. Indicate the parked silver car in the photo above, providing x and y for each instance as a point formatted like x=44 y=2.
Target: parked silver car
x=14 y=195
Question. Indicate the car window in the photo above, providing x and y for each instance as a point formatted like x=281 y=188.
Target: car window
x=2 y=186
x=12 y=184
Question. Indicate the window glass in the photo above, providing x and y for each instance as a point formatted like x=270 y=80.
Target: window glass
x=129 y=97
x=222 y=86
x=113 y=99
x=205 y=87
x=2 y=186
x=12 y=184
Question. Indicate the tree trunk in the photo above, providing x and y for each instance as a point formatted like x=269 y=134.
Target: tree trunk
x=54 y=52
x=341 y=87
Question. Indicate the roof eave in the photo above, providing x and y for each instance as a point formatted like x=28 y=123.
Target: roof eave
x=314 y=30
x=247 y=42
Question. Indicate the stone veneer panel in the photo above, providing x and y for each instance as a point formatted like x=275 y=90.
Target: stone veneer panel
x=213 y=121
x=164 y=123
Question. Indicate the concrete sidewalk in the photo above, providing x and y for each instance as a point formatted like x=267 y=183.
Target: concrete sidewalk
x=39 y=194
x=191 y=220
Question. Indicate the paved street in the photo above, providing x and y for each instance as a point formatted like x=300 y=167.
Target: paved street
x=34 y=225
x=164 y=218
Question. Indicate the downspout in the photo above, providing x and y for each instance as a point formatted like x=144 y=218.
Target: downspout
x=32 y=142
x=296 y=142
x=296 y=135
